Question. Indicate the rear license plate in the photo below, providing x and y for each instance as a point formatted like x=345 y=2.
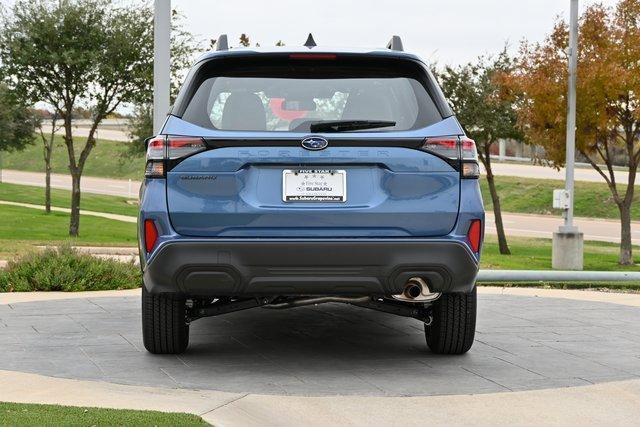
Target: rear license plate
x=314 y=185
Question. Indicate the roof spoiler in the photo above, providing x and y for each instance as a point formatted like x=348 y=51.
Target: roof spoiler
x=395 y=44
x=222 y=43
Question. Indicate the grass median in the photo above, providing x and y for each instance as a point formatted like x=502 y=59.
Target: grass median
x=62 y=199
x=21 y=228
x=535 y=196
x=535 y=254
x=21 y=414
x=107 y=160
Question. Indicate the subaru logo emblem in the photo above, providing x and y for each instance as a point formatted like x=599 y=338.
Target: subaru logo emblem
x=315 y=143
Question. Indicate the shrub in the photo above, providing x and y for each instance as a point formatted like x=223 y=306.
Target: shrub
x=65 y=269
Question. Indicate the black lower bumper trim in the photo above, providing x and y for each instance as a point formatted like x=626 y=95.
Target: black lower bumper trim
x=308 y=267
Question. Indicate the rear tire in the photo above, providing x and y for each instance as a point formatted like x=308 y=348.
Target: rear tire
x=164 y=323
x=454 y=323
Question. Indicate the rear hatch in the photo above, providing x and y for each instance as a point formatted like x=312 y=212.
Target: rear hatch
x=299 y=147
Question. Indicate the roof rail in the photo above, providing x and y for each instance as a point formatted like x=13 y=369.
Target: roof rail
x=310 y=42
x=222 y=42
x=395 y=44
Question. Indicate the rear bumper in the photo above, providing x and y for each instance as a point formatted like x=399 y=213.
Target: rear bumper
x=247 y=267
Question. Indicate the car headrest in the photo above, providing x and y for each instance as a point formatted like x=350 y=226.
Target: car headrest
x=367 y=106
x=243 y=111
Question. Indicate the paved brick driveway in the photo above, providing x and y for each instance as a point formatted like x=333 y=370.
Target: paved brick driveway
x=523 y=343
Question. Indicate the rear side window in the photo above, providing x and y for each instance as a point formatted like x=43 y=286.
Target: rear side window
x=292 y=96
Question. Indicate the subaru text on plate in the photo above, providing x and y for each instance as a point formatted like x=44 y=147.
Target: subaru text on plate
x=288 y=177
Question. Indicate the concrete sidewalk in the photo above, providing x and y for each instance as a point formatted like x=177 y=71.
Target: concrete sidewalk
x=116 y=217
x=611 y=404
x=88 y=184
x=543 y=226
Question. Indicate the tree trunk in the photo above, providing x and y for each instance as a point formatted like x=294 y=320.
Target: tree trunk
x=495 y=200
x=626 y=249
x=47 y=188
x=497 y=213
x=47 y=176
x=74 y=220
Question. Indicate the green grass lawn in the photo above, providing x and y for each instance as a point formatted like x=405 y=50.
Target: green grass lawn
x=527 y=195
x=535 y=254
x=106 y=160
x=23 y=227
x=19 y=414
x=62 y=199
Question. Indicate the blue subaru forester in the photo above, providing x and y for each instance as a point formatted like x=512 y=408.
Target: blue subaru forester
x=288 y=176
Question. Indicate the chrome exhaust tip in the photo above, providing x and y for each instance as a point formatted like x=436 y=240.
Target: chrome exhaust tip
x=417 y=290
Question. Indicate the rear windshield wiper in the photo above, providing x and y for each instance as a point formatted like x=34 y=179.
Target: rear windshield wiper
x=347 y=125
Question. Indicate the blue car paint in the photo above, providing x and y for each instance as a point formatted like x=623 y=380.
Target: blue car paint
x=235 y=210
x=153 y=205
x=387 y=191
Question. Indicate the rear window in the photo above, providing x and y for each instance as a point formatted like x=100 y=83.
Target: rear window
x=292 y=96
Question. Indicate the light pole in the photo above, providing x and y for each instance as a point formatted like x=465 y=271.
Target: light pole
x=568 y=240
x=161 y=62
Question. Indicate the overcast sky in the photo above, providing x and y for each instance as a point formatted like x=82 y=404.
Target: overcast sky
x=449 y=31
x=446 y=31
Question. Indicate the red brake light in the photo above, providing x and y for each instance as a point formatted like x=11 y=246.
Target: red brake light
x=312 y=56
x=150 y=234
x=474 y=235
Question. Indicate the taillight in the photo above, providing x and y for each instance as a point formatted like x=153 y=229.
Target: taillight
x=155 y=158
x=179 y=147
x=456 y=149
x=150 y=234
x=469 y=155
x=474 y=235
x=443 y=146
x=166 y=151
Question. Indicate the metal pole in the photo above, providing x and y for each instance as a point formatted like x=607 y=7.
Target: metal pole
x=571 y=116
x=161 y=62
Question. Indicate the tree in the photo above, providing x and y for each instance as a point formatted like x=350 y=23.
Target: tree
x=244 y=40
x=17 y=121
x=608 y=99
x=478 y=98
x=183 y=49
x=48 y=140
x=90 y=53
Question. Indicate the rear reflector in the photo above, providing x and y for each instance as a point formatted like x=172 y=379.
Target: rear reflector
x=474 y=235
x=150 y=234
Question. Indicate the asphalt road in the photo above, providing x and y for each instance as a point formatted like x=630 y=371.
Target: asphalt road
x=524 y=225
x=111 y=187
x=515 y=224
x=587 y=174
